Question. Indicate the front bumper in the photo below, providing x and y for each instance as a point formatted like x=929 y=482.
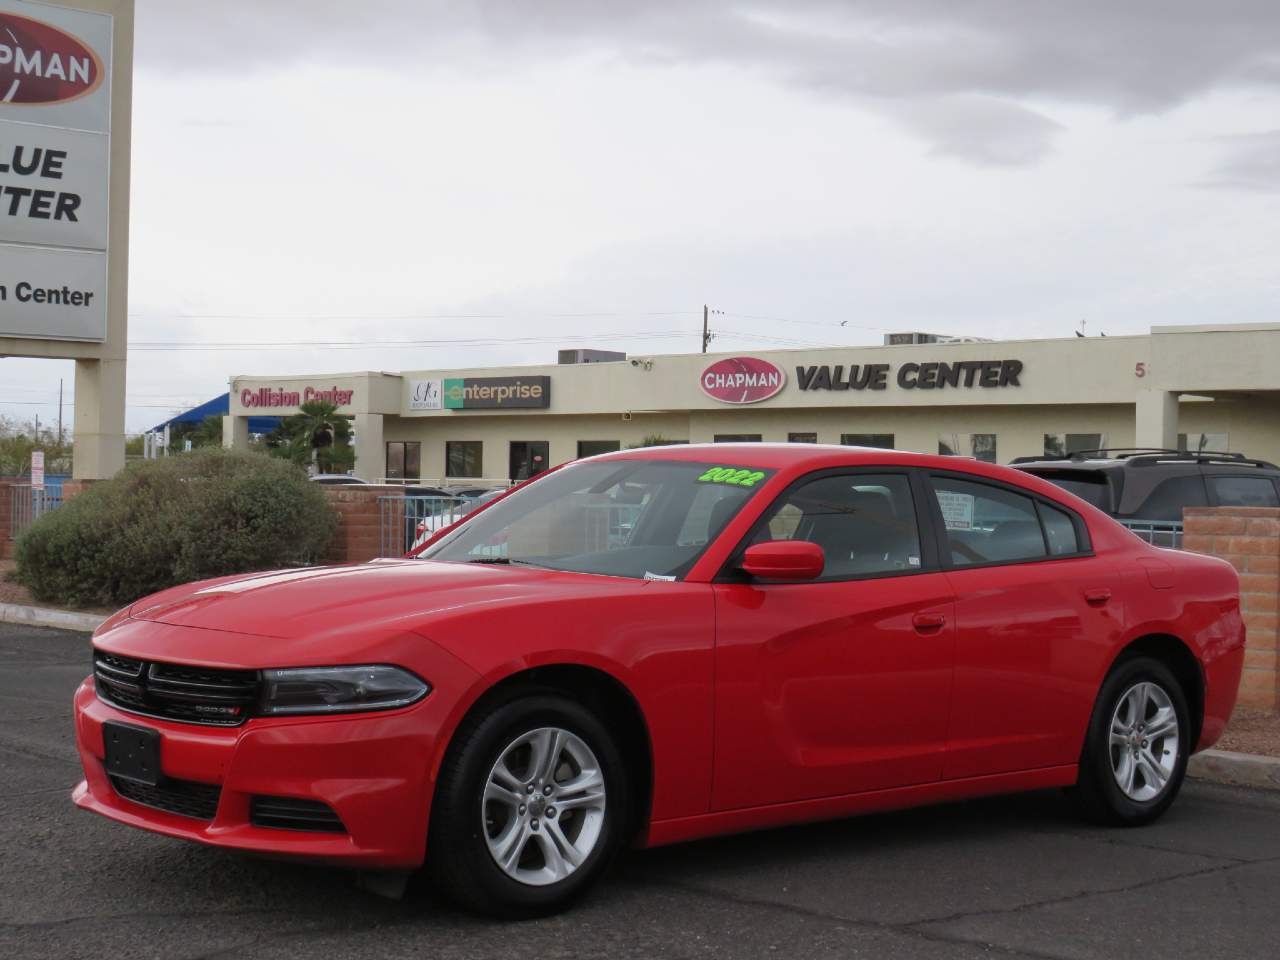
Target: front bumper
x=373 y=770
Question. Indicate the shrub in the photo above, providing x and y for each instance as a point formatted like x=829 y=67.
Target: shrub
x=164 y=522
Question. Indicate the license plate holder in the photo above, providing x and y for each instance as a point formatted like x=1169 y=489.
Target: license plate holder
x=132 y=753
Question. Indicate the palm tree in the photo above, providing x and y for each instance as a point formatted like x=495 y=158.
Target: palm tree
x=318 y=435
x=208 y=433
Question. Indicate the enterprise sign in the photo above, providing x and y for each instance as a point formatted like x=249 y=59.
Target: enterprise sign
x=963 y=374
x=492 y=393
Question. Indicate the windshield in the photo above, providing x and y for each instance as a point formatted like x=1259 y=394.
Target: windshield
x=621 y=518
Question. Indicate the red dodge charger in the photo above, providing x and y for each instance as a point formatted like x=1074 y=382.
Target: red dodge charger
x=656 y=645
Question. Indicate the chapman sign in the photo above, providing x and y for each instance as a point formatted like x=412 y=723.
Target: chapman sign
x=742 y=380
x=55 y=141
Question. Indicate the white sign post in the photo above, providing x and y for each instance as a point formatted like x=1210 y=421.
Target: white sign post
x=55 y=149
x=37 y=469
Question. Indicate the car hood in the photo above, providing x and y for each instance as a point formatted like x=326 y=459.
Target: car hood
x=317 y=602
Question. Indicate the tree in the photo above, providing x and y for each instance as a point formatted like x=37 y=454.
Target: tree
x=18 y=440
x=317 y=435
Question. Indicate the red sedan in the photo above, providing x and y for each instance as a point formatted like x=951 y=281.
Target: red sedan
x=657 y=645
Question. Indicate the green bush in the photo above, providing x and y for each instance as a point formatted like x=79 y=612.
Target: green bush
x=164 y=522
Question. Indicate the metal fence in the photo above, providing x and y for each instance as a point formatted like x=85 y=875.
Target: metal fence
x=1158 y=533
x=404 y=522
x=28 y=504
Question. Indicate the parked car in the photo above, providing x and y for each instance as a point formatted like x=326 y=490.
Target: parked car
x=1157 y=484
x=779 y=633
x=438 y=513
x=330 y=479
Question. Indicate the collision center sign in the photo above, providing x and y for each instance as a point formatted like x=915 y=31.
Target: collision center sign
x=742 y=380
x=55 y=146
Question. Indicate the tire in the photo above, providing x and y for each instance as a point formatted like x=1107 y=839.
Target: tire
x=1138 y=691
x=475 y=819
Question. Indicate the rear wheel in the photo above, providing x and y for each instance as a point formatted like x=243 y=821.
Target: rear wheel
x=531 y=806
x=1136 y=748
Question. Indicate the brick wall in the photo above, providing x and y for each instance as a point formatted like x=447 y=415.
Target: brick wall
x=359 y=522
x=1248 y=538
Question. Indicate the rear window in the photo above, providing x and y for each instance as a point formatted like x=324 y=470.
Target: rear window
x=1089 y=485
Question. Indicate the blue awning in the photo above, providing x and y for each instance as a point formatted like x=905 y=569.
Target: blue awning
x=218 y=406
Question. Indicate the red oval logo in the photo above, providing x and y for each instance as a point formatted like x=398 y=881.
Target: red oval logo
x=742 y=380
x=42 y=65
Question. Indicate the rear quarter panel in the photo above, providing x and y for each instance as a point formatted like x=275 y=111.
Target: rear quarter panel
x=1197 y=600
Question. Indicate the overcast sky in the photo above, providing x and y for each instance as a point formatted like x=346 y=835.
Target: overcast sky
x=592 y=173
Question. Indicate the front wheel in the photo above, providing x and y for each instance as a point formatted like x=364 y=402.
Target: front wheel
x=531 y=806
x=1136 y=749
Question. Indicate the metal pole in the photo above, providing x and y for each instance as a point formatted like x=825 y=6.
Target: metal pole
x=60 y=411
x=706 y=333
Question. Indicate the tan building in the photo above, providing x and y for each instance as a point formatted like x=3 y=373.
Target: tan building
x=1212 y=387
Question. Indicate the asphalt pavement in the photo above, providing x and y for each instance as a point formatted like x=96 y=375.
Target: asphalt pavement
x=1013 y=877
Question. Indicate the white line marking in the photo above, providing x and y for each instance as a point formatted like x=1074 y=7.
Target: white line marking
x=12 y=90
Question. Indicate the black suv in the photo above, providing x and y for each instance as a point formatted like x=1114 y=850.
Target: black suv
x=1140 y=484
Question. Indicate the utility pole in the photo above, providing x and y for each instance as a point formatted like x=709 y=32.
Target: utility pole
x=706 y=333
x=60 y=413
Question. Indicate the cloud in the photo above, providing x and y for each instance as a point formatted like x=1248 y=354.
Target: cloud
x=1252 y=162
x=993 y=62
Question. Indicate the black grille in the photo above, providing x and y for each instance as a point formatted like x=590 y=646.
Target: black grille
x=174 y=691
x=289 y=813
x=183 y=797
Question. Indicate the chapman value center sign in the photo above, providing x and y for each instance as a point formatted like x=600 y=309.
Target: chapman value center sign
x=742 y=380
x=55 y=143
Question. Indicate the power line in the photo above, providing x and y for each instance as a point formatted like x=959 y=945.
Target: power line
x=380 y=343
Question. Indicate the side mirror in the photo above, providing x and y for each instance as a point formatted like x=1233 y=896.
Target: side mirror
x=784 y=560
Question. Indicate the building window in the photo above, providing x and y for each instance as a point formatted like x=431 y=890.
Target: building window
x=464 y=458
x=404 y=460
x=884 y=441
x=737 y=438
x=1199 y=442
x=1065 y=444
x=980 y=446
x=589 y=448
x=802 y=438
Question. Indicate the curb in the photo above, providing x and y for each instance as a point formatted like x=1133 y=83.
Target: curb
x=1238 y=769
x=47 y=617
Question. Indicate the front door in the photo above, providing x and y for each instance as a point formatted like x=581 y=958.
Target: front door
x=842 y=684
x=528 y=458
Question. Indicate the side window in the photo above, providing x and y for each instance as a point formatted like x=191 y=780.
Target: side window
x=1166 y=501
x=865 y=523
x=1244 y=491
x=986 y=524
x=1059 y=531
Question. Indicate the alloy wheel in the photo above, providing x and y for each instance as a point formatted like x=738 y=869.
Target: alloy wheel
x=1144 y=741
x=544 y=806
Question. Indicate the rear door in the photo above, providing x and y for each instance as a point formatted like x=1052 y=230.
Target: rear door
x=1034 y=612
x=843 y=684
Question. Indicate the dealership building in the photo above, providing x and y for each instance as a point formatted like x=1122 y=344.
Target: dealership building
x=1206 y=387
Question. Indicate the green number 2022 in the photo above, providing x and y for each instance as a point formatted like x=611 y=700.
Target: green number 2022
x=733 y=476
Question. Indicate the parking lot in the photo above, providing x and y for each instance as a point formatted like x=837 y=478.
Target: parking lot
x=1011 y=877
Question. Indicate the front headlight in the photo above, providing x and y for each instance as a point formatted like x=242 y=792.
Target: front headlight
x=339 y=689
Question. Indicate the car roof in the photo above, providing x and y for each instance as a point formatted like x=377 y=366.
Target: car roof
x=775 y=456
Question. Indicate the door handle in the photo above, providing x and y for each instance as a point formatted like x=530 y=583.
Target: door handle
x=1098 y=596
x=928 y=622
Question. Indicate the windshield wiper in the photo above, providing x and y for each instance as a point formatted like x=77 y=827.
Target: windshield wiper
x=502 y=560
